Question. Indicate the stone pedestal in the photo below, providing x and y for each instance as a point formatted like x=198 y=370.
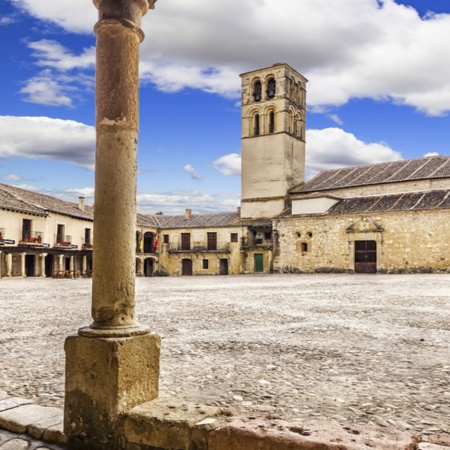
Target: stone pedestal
x=105 y=377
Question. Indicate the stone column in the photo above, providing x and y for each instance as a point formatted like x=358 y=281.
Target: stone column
x=61 y=265
x=22 y=265
x=42 y=260
x=113 y=364
x=84 y=265
x=9 y=265
x=1 y=264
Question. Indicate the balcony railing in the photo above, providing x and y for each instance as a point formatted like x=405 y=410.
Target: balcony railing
x=32 y=237
x=250 y=242
x=220 y=247
x=63 y=240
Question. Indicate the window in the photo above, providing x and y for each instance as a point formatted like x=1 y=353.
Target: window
x=234 y=237
x=268 y=235
x=185 y=241
x=271 y=122
x=60 y=233
x=87 y=236
x=26 y=230
x=271 y=88
x=304 y=247
x=205 y=264
x=212 y=241
x=165 y=238
x=256 y=129
x=257 y=91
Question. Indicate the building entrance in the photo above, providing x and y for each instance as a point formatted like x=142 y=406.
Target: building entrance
x=365 y=256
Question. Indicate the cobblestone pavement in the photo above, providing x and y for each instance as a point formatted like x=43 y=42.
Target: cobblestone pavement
x=362 y=349
x=12 y=441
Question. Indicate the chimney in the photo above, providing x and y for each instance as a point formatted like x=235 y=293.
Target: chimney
x=159 y=213
x=188 y=213
x=239 y=211
x=81 y=203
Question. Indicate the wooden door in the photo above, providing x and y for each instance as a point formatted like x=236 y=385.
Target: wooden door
x=186 y=267
x=212 y=241
x=259 y=263
x=185 y=241
x=223 y=269
x=365 y=256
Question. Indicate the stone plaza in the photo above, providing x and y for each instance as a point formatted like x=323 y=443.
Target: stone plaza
x=354 y=349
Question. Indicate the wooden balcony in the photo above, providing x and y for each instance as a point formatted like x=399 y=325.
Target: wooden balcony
x=220 y=247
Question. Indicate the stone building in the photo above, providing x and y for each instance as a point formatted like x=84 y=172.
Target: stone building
x=43 y=236
x=388 y=217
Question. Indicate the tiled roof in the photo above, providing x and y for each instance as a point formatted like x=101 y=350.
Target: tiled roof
x=21 y=200
x=411 y=201
x=194 y=221
x=389 y=172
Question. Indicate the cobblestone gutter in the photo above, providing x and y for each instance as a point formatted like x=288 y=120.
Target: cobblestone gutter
x=160 y=425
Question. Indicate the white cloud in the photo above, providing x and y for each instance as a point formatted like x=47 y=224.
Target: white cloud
x=43 y=137
x=46 y=90
x=11 y=177
x=52 y=54
x=192 y=172
x=87 y=192
x=62 y=79
x=27 y=187
x=6 y=21
x=377 y=49
x=430 y=154
x=332 y=148
x=177 y=201
x=228 y=165
x=335 y=118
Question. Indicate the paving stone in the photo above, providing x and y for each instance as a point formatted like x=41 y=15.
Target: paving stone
x=19 y=419
x=16 y=444
x=13 y=402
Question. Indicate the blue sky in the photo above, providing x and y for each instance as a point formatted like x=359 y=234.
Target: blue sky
x=379 y=90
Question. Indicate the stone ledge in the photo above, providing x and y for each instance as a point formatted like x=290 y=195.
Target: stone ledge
x=177 y=425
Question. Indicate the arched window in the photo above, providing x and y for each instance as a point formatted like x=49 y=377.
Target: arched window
x=256 y=128
x=271 y=88
x=271 y=122
x=257 y=91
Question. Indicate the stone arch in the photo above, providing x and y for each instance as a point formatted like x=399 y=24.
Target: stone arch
x=270 y=119
x=270 y=86
x=256 y=89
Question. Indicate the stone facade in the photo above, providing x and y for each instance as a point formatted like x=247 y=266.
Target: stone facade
x=327 y=243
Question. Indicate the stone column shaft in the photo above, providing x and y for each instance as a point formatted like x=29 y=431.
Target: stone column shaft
x=9 y=265
x=117 y=80
x=22 y=264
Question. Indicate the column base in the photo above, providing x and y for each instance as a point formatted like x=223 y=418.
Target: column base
x=105 y=377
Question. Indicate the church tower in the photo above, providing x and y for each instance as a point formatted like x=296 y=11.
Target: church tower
x=273 y=138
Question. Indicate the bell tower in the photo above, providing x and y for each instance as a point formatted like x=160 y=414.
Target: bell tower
x=273 y=138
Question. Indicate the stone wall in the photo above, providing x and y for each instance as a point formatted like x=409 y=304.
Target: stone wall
x=407 y=241
x=171 y=255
